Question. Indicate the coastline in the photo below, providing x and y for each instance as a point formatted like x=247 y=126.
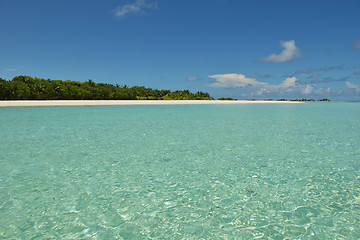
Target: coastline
x=37 y=103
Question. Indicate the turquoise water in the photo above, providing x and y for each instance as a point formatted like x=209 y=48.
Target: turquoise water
x=267 y=171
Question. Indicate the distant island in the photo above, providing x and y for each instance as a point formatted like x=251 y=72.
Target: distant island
x=227 y=98
x=294 y=100
x=33 y=88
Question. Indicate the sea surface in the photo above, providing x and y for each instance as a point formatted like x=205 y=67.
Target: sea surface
x=247 y=171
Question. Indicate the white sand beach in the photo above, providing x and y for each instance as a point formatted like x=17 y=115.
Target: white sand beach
x=28 y=103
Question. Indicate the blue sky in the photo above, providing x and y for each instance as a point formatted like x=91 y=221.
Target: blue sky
x=229 y=48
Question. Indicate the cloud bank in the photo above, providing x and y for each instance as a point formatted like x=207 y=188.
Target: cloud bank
x=328 y=80
x=353 y=86
x=289 y=85
x=139 y=6
x=233 y=80
x=289 y=53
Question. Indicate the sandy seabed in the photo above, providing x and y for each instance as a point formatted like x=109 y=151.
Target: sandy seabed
x=29 y=103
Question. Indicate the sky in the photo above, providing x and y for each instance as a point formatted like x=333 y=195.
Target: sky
x=229 y=48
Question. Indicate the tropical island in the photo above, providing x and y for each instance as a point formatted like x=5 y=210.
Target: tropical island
x=227 y=98
x=34 y=88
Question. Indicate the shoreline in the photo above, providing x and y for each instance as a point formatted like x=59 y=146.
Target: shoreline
x=37 y=103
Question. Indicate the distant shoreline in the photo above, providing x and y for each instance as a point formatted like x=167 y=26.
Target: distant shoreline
x=37 y=103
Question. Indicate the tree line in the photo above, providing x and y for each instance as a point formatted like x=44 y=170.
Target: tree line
x=34 y=88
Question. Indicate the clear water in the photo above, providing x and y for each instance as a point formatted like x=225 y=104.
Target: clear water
x=267 y=171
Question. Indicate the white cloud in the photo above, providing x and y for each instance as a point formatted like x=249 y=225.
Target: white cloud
x=289 y=85
x=306 y=89
x=353 y=86
x=139 y=6
x=288 y=82
x=289 y=53
x=233 y=80
x=356 y=44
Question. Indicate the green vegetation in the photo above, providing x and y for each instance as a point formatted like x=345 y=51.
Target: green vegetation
x=227 y=98
x=29 y=88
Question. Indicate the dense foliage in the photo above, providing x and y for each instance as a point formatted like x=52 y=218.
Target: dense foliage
x=227 y=98
x=29 y=88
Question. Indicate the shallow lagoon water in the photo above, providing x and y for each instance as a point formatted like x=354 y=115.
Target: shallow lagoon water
x=267 y=171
